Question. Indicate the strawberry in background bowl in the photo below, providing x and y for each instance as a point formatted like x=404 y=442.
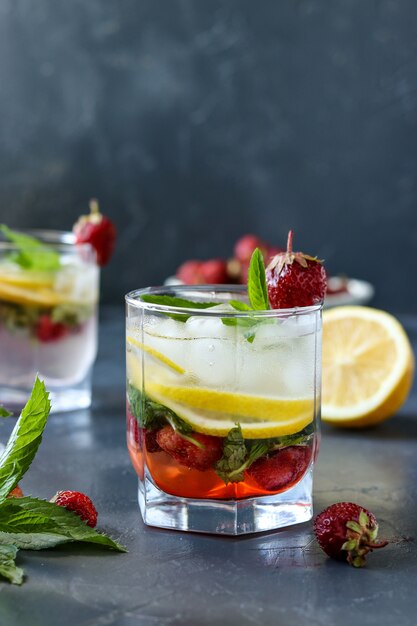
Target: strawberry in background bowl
x=340 y=289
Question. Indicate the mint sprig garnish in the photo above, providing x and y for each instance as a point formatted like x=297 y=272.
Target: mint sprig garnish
x=257 y=287
x=33 y=254
x=4 y=412
x=257 y=294
x=27 y=522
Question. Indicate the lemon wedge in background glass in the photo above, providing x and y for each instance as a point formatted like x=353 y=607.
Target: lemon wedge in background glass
x=368 y=366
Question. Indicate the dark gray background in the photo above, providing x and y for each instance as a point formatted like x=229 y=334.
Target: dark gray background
x=194 y=121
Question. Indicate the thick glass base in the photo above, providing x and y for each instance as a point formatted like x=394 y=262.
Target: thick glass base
x=63 y=398
x=226 y=517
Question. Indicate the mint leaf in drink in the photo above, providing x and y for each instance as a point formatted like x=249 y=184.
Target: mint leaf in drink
x=234 y=454
x=34 y=524
x=8 y=567
x=152 y=415
x=25 y=439
x=33 y=254
x=257 y=287
x=177 y=302
x=240 y=306
x=4 y=412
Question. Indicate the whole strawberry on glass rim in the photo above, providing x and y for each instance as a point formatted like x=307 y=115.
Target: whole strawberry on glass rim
x=295 y=279
x=347 y=532
x=98 y=231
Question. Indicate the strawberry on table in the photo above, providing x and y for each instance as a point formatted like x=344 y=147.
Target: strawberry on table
x=98 y=231
x=295 y=279
x=211 y=272
x=79 y=503
x=346 y=531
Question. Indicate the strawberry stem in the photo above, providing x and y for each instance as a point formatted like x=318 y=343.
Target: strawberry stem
x=94 y=206
x=289 y=242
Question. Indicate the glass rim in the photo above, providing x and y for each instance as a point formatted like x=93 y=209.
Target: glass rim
x=133 y=298
x=59 y=240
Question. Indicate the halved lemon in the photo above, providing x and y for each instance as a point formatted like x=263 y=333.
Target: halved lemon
x=215 y=412
x=368 y=366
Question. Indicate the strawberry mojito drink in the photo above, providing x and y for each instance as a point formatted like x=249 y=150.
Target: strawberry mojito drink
x=49 y=291
x=223 y=398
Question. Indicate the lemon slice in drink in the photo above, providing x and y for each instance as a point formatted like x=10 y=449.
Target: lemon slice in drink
x=368 y=366
x=215 y=412
x=158 y=356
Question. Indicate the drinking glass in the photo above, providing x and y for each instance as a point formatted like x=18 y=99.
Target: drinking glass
x=48 y=323
x=223 y=409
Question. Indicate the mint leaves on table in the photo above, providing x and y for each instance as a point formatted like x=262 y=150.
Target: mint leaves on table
x=32 y=254
x=239 y=454
x=27 y=522
x=4 y=412
x=8 y=567
x=25 y=439
x=33 y=524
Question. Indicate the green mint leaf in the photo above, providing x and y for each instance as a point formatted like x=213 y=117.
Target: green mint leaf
x=152 y=415
x=25 y=439
x=4 y=412
x=8 y=567
x=177 y=302
x=256 y=451
x=71 y=314
x=33 y=254
x=257 y=288
x=34 y=524
x=234 y=454
x=240 y=306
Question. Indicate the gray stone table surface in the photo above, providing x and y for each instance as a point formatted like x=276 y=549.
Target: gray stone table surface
x=173 y=578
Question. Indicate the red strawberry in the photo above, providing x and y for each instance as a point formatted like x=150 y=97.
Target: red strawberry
x=211 y=272
x=214 y=272
x=190 y=273
x=79 y=503
x=201 y=456
x=16 y=492
x=280 y=469
x=48 y=330
x=347 y=531
x=295 y=279
x=149 y=438
x=132 y=427
x=245 y=246
x=98 y=231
